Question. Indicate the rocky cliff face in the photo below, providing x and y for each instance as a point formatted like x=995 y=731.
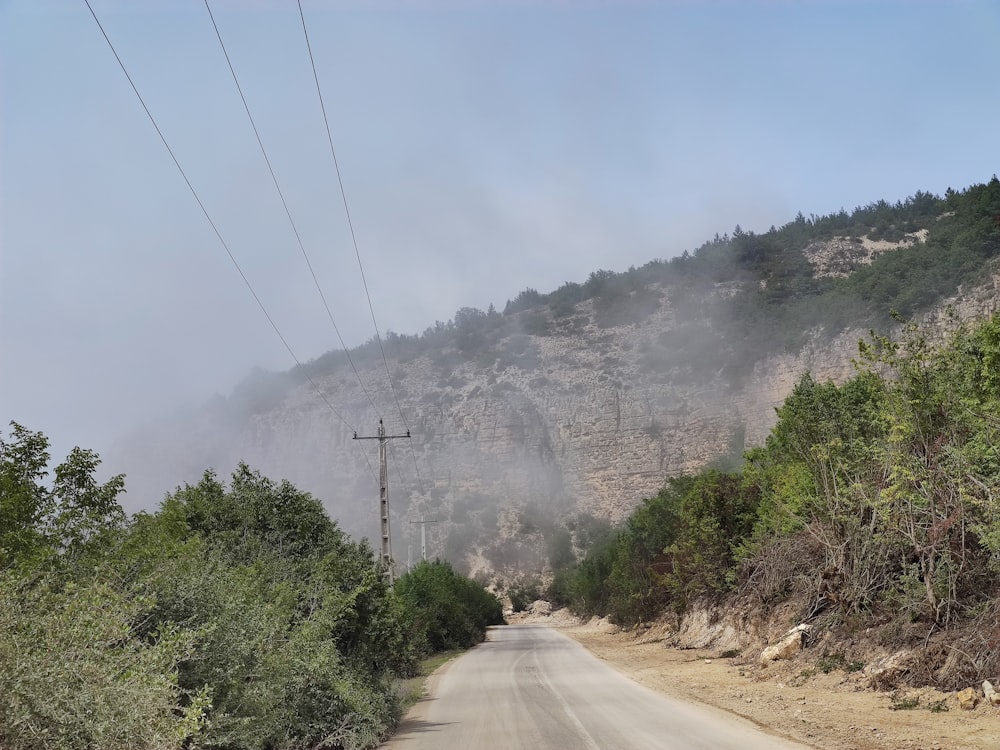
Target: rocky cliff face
x=575 y=418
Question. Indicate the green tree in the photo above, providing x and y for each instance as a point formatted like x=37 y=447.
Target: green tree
x=57 y=523
x=716 y=513
x=635 y=585
x=832 y=435
x=86 y=512
x=25 y=504
x=446 y=610
x=940 y=460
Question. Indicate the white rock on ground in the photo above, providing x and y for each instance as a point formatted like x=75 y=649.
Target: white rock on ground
x=991 y=694
x=540 y=607
x=789 y=645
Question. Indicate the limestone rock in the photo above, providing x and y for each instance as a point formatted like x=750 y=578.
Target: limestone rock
x=968 y=698
x=540 y=607
x=885 y=673
x=604 y=625
x=992 y=696
x=789 y=645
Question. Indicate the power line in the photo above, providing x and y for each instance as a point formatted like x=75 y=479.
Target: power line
x=284 y=203
x=399 y=476
x=354 y=239
x=212 y=223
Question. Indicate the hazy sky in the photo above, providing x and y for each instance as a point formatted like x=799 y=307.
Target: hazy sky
x=485 y=147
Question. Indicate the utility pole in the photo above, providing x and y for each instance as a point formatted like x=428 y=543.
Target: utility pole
x=383 y=494
x=423 y=534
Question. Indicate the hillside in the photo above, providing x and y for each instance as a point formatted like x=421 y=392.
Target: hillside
x=568 y=408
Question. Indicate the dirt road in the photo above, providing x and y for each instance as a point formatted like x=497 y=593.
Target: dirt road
x=530 y=686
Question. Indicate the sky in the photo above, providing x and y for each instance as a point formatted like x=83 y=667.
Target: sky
x=484 y=147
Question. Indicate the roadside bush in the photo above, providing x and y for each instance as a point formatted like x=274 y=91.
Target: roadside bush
x=446 y=611
x=715 y=514
x=298 y=633
x=238 y=618
x=586 y=589
x=76 y=674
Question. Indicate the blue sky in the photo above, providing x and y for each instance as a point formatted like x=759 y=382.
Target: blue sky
x=485 y=147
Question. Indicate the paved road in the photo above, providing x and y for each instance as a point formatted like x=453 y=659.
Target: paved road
x=530 y=686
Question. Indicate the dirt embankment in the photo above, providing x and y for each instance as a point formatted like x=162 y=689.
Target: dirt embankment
x=833 y=709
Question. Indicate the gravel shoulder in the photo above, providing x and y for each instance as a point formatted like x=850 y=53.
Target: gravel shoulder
x=833 y=711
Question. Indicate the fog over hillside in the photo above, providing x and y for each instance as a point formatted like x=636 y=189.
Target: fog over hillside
x=482 y=148
x=578 y=403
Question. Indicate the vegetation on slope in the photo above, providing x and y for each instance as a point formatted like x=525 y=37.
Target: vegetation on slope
x=874 y=502
x=703 y=320
x=230 y=618
x=774 y=288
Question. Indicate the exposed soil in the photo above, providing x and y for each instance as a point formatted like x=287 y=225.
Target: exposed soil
x=833 y=711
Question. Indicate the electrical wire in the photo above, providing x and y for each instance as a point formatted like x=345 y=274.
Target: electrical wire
x=284 y=204
x=215 y=227
x=354 y=239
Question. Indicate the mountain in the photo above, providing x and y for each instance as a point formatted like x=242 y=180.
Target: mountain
x=568 y=408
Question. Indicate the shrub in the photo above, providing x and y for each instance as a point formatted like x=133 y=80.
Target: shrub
x=446 y=610
x=76 y=673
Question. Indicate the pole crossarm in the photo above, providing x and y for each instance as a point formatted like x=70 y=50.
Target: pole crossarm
x=383 y=475
x=376 y=437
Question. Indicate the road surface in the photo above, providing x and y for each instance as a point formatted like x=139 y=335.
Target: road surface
x=530 y=686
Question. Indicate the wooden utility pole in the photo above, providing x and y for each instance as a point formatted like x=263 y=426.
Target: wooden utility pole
x=423 y=534
x=383 y=495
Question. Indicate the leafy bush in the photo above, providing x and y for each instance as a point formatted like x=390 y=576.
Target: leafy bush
x=76 y=673
x=446 y=610
x=299 y=635
x=231 y=618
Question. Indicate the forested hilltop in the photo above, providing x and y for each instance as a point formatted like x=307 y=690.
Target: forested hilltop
x=536 y=424
x=234 y=617
x=821 y=273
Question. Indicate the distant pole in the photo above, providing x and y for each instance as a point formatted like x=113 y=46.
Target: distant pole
x=383 y=494
x=423 y=534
